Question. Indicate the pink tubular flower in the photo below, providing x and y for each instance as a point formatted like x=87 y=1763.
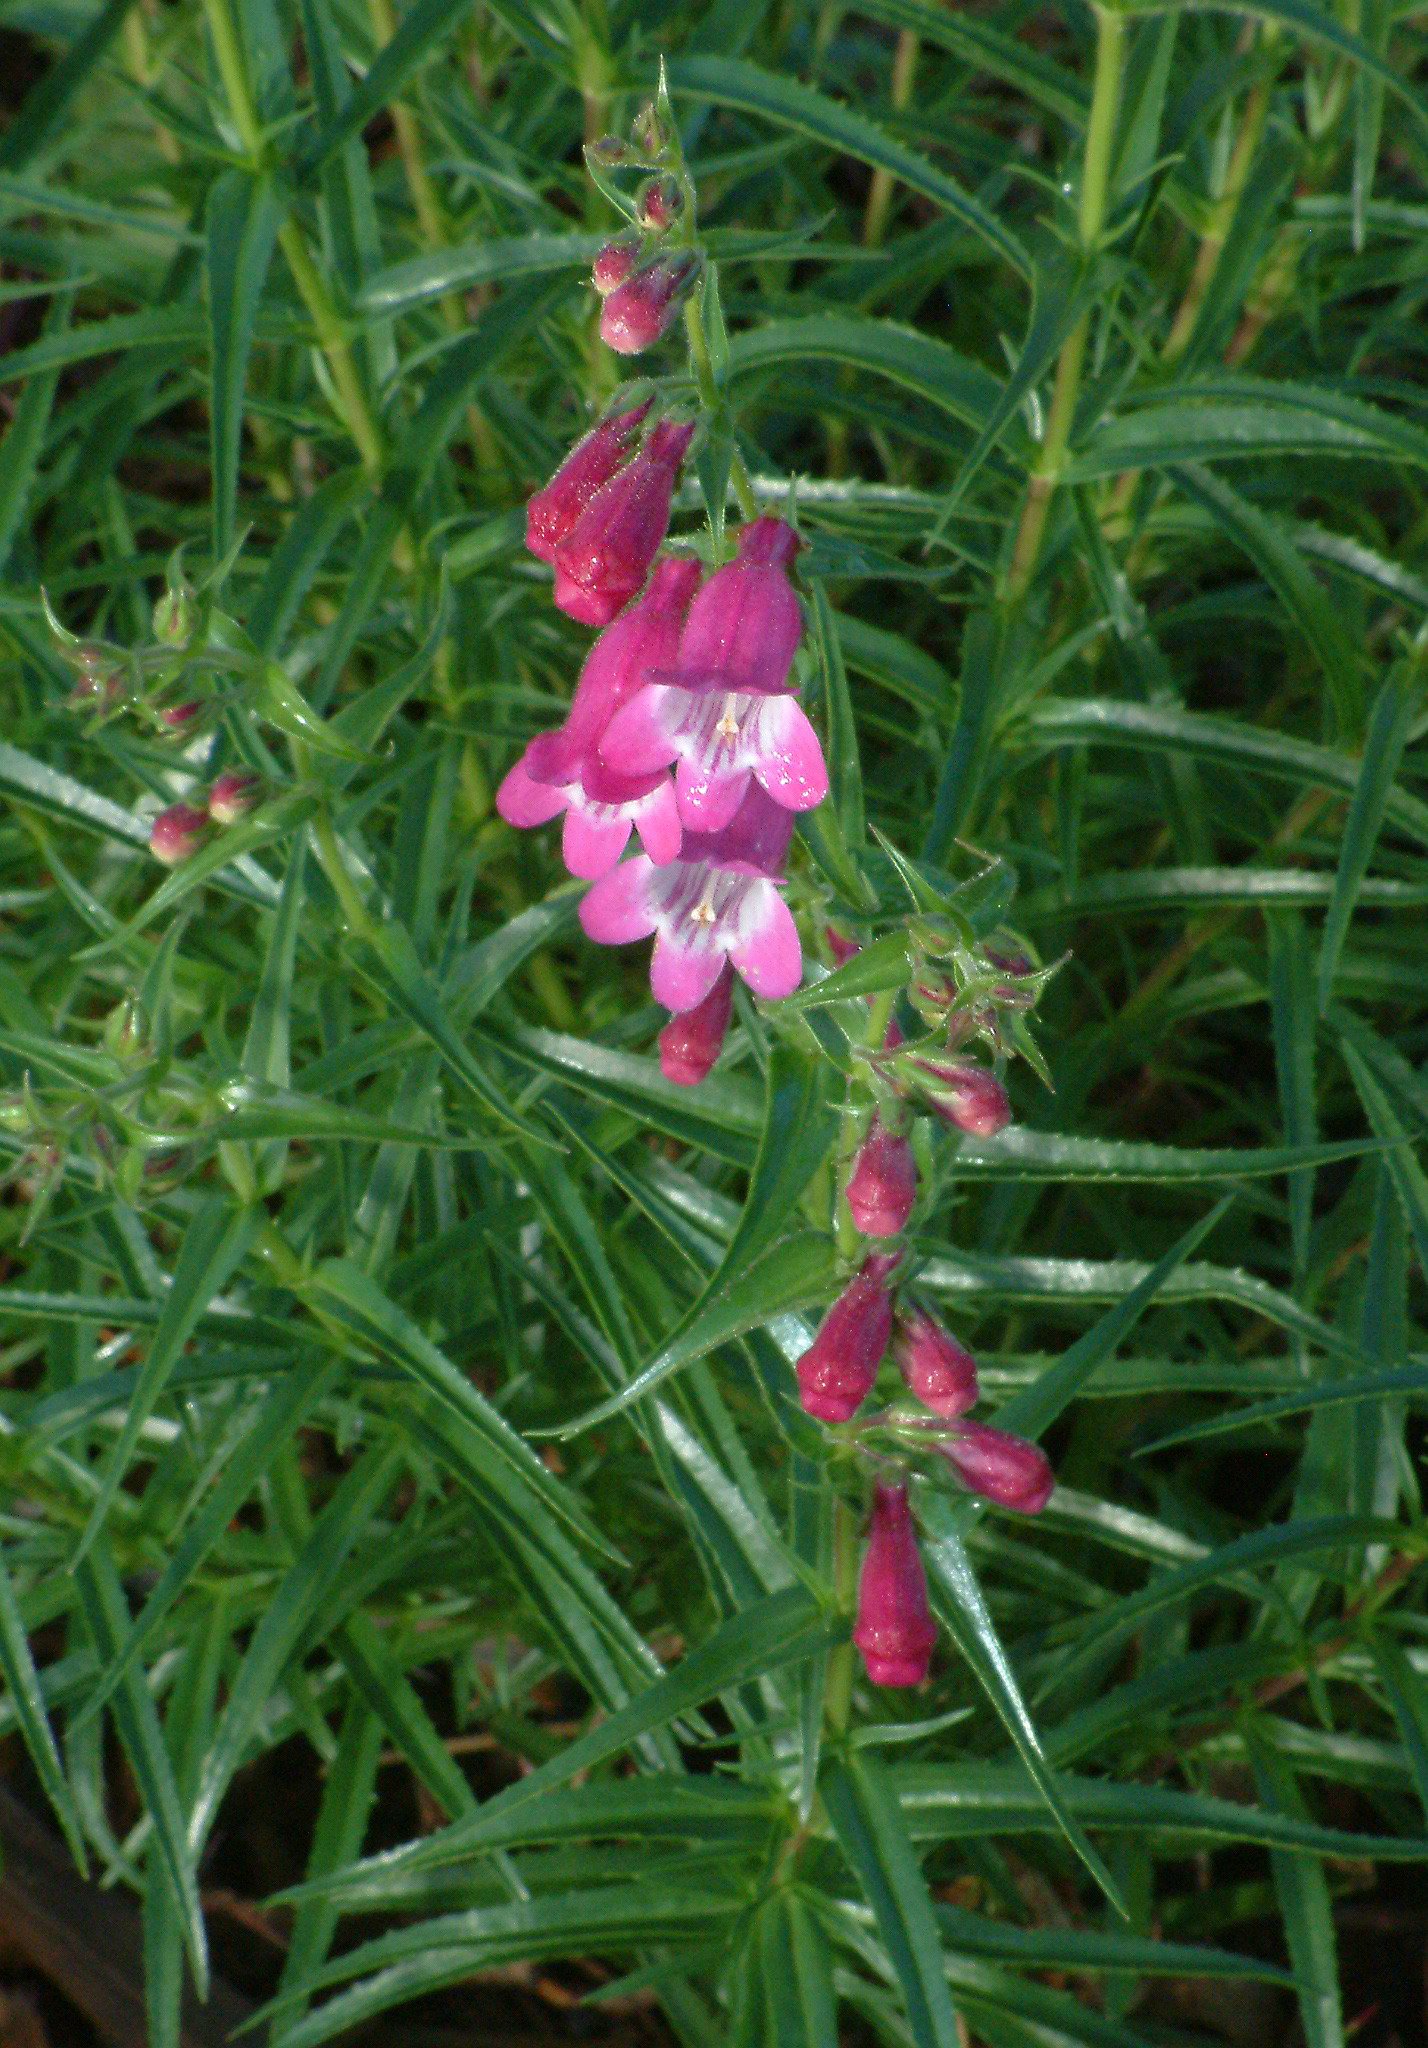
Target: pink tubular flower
x=725 y=712
x=718 y=902
x=894 y=1630
x=692 y=1040
x=746 y=621
x=643 y=308
x=938 y=1371
x=177 y=833
x=1001 y=1467
x=605 y=556
x=560 y=770
x=590 y=465
x=883 y=1184
x=837 y=1371
x=967 y=1096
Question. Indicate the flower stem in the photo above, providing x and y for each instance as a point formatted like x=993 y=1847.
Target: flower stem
x=838 y=1684
x=711 y=399
x=1095 y=185
x=357 y=415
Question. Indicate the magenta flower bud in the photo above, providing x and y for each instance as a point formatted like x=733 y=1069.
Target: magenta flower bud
x=177 y=833
x=642 y=309
x=554 y=511
x=693 y=1039
x=894 y=1630
x=233 y=795
x=967 y=1096
x=615 y=264
x=837 y=1371
x=1001 y=1467
x=181 y=718
x=938 y=1371
x=883 y=1184
x=605 y=556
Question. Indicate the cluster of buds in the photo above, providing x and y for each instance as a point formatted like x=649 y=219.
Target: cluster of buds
x=645 y=274
x=134 y=1126
x=836 y=1374
x=685 y=728
x=178 y=831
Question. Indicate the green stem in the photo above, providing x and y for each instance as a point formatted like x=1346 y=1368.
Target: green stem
x=711 y=399
x=358 y=418
x=1095 y=184
x=838 y=1684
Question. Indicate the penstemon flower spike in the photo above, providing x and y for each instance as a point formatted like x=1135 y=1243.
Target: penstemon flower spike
x=685 y=730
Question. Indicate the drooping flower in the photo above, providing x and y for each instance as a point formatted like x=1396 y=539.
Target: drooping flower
x=177 y=833
x=718 y=902
x=966 y=1095
x=937 y=1370
x=746 y=621
x=894 y=1631
x=605 y=556
x=591 y=463
x=561 y=771
x=882 y=1188
x=723 y=740
x=837 y=1371
x=1001 y=1467
x=725 y=711
x=644 y=307
x=597 y=829
x=691 y=1041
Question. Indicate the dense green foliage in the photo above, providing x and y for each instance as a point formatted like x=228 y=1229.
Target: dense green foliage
x=341 y=1175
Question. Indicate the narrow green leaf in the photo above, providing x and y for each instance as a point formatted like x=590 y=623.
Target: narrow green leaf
x=1393 y=714
x=213 y=1248
x=871 y=1833
x=244 y=214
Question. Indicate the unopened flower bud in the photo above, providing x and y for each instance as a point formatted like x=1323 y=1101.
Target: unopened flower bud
x=233 y=795
x=967 y=1096
x=609 y=150
x=691 y=1041
x=605 y=557
x=125 y=1032
x=837 y=1371
x=1001 y=1467
x=938 y=1371
x=615 y=264
x=661 y=203
x=894 y=1630
x=179 y=719
x=555 y=511
x=651 y=131
x=646 y=306
x=177 y=833
x=883 y=1186
x=175 y=615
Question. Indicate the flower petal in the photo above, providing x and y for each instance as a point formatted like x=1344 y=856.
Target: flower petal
x=657 y=822
x=591 y=843
x=682 y=976
x=708 y=796
x=618 y=908
x=767 y=952
x=524 y=802
x=640 y=738
x=790 y=762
